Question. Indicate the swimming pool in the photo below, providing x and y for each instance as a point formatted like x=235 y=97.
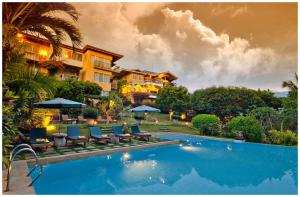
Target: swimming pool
x=198 y=166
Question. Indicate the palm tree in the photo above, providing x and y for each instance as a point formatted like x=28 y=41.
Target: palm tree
x=290 y=84
x=40 y=19
x=29 y=79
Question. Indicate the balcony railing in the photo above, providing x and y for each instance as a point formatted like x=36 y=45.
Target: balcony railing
x=102 y=65
x=157 y=83
x=34 y=56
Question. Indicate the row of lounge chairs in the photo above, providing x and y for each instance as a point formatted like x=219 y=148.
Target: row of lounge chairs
x=38 y=136
x=66 y=119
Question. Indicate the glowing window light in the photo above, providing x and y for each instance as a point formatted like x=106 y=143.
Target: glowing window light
x=43 y=52
x=20 y=35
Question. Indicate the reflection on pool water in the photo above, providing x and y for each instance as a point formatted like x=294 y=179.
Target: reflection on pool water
x=198 y=166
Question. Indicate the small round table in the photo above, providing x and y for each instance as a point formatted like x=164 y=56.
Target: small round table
x=59 y=139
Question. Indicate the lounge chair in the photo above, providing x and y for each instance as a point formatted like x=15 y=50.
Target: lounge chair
x=95 y=133
x=136 y=132
x=38 y=138
x=66 y=119
x=73 y=134
x=109 y=118
x=81 y=119
x=118 y=131
x=100 y=119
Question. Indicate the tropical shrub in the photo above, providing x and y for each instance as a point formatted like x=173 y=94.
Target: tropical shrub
x=268 y=117
x=77 y=90
x=90 y=113
x=225 y=101
x=269 y=99
x=282 y=137
x=248 y=126
x=172 y=98
x=207 y=124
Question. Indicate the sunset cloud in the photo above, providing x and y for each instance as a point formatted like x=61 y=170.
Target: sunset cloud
x=183 y=45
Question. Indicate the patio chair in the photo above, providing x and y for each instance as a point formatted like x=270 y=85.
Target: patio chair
x=95 y=133
x=73 y=134
x=136 y=132
x=100 y=119
x=110 y=120
x=38 y=138
x=118 y=131
x=81 y=119
x=66 y=119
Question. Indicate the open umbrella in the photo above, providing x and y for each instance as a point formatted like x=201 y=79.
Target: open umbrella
x=59 y=103
x=144 y=108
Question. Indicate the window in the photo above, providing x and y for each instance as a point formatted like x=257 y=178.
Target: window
x=137 y=77
x=77 y=56
x=101 y=78
x=101 y=62
x=73 y=55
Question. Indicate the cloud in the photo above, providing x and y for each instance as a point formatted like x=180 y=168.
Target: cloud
x=232 y=11
x=183 y=45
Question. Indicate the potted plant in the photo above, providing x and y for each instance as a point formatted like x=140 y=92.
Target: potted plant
x=91 y=115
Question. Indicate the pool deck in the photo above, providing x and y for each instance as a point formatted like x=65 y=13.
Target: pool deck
x=19 y=182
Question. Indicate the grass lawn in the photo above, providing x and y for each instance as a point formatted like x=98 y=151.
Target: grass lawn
x=155 y=122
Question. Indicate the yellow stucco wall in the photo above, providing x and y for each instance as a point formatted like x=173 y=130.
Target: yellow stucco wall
x=88 y=70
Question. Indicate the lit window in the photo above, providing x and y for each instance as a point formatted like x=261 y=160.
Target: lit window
x=73 y=55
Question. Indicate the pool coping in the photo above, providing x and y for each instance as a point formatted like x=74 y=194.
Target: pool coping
x=221 y=139
x=20 y=168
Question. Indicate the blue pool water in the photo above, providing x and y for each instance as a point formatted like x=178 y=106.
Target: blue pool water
x=198 y=166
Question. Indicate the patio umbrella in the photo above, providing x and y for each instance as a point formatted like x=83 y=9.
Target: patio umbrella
x=59 y=103
x=144 y=108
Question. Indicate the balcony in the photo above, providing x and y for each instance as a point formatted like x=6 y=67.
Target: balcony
x=35 y=56
x=102 y=65
x=156 y=83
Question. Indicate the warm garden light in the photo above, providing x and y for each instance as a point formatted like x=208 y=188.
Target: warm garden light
x=51 y=128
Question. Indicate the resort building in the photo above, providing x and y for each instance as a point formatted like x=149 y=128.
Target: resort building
x=87 y=64
x=142 y=86
x=96 y=65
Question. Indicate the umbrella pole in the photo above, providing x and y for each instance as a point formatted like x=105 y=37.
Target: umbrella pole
x=59 y=121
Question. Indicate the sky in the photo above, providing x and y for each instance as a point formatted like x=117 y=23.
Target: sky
x=204 y=44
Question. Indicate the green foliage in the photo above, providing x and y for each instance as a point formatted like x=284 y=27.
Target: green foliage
x=268 y=117
x=90 y=113
x=269 y=99
x=172 y=98
x=26 y=78
x=207 y=124
x=77 y=90
x=282 y=137
x=115 y=104
x=249 y=126
x=225 y=101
